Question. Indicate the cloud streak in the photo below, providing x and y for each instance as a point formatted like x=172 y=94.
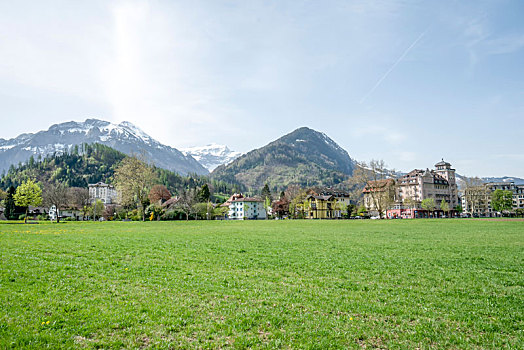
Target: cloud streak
x=377 y=84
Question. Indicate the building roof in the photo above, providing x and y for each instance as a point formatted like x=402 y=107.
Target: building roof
x=231 y=199
x=442 y=163
x=334 y=193
x=247 y=199
x=378 y=185
x=99 y=184
x=321 y=197
x=171 y=201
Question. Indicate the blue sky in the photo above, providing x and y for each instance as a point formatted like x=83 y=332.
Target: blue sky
x=409 y=82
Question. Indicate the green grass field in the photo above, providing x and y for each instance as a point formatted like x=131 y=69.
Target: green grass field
x=443 y=284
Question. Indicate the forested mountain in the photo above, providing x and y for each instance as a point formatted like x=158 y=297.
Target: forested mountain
x=87 y=164
x=304 y=157
x=124 y=137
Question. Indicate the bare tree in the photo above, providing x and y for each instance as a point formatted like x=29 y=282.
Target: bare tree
x=133 y=179
x=57 y=195
x=476 y=196
x=186 y=201
x=79 y=199
x=296 y=196
x=376 y=183
x=109 y=212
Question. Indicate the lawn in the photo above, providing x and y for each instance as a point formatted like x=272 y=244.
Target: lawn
x=266 y=284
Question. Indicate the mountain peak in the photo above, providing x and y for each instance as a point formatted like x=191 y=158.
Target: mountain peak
x=304 y=156
x=124 y=137
x=212 y=155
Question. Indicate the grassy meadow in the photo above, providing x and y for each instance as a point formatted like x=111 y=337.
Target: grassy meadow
x=406 y=284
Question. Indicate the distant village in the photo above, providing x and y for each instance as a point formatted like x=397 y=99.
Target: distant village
x=429 y=193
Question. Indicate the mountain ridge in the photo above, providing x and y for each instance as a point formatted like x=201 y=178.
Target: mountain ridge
x=124 y=137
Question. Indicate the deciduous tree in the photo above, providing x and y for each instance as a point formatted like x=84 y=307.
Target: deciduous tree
x=154 y=211
x=202 y=210
x=444 y=206
x=109 y=212
x=429 y=205
x=502 y=200
x=377 y=184
x=79 y=199
x=3 y=195
x=476 y=196
x=28 y=193
x=159 y=194
x=296 y=197
x=186 y=200
x=134 y=179
x=57 y=195
x=97 y=209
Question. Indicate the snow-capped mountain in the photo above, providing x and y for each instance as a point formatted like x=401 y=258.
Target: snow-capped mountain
x=124 y=137
x=212 y=155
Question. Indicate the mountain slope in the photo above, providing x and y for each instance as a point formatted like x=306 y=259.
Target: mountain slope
x=304 y=157
x=94 y=163
x=91 y=164
x=124 y=137
x=212 y=155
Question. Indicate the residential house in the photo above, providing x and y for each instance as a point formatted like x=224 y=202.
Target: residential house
x=320 y=206
x=235 y=196
x=246 y=208
x=280 y=208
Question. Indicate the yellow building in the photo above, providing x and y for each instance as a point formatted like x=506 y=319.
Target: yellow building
x=320 y=207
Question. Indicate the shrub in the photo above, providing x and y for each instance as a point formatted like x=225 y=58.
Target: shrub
x=173 y=214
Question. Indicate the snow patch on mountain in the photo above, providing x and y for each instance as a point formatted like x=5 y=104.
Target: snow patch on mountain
x=125 y=137
x=211 y=156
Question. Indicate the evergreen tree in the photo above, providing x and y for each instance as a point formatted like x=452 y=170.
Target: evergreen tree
x=204 y=193
x=9 y=210
x=266 y=193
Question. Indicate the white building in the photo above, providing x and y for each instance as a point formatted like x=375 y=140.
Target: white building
x=101 y=191
x=246 y=208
